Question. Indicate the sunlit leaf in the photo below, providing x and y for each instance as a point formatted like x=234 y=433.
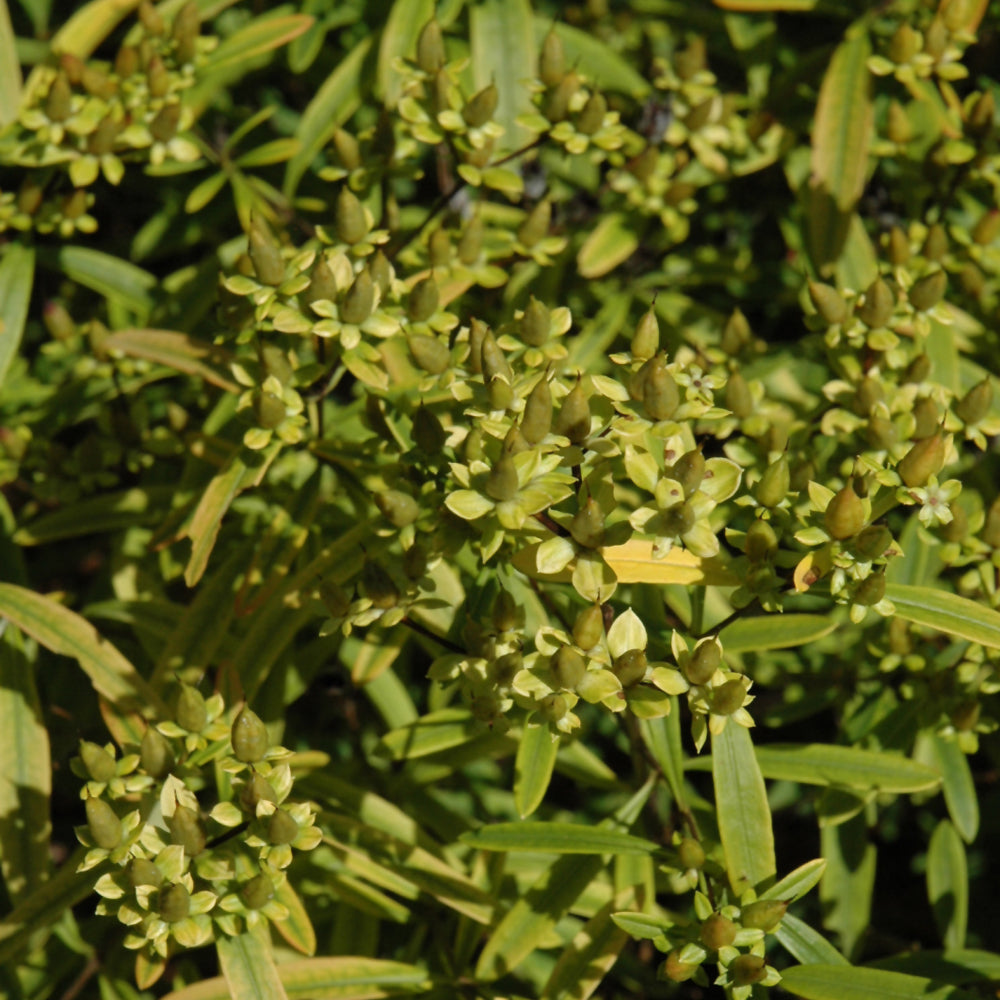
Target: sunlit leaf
x=556 y=838
x=948 y=884
x=610 y=243
x=536 y=758
x=247 y=964
x=17 y=272
x=946 y=612
x=774 y=632
x=840 y=982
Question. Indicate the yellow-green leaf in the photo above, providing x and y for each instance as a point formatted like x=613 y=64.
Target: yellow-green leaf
x=17 y=272
x=806 y=944
x=774 y=632
x=948 y=884
x=247 y=964
x=798 y=882
x=10 y=70
x=432 y=733
x=611 y=242
x=840 y=982
x=536 y=757
x=110 y=276
x=946 y=612
x=556 y=838
x=399 y=40
x=848 y=881
x=594 y=57
x=957 y=784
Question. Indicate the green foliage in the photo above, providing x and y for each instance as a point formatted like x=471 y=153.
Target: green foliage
x=499 y=498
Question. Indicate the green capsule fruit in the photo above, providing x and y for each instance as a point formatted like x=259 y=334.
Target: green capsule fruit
x=430 y=354
x=774 y=484
x=500 y=393
x=423 y=300
x=381 y=272
x=630 y=667
x=739 y=399
x=871 y=590
x=478 y=331
x=763 y=915
x=505 y=614
x=899 y=128
x=103 y=823
x=591 y=116
x=845 y=514
x=258 y=892
x=430 y=47
x=677 y=971
x=379 y=587
x=918 y=369
x=494 y=362
x=703 y=662
x=881 y=433
x=439 y=248
x=268 y=264
x=691 y=854
x=502 y=482
x=551 y=60
x=643 y=167
x=157 y=78
x=142 y=871
x=573 y=419
x=972 y=280
x=923 y=460
x=256 y=789
x=717 y=932
x=554 y=707
x=935 y=246
x=174 y=903
x=514 y=442
x=428 y=433
x=557 y=101
x=350 y=221
x=480 y=108
x=470 y=246
x=987 y=228
x=660 y=396
x=536 y=421
x=588 y=628
x=689 y=471
x=928 y=291
x=936 y=38
x=904 y=44
x=879 y=302
x=397 y=507
x=899 y=247
x=868 y=395
x=729 y=697
x=156 y=757
x=359 y=300
x=692 y=59
x=101 y=141
x=678 y=520
x=185 y=31
x=927 y=418
x=736 y=334
x=282 y=827
x=745 y=970
x=535 y=324
x=587 y=526
x=190 y=712
x=415 y=560
x=249 y=737
x=646 y=341
x=761 y=541
x=347 y=149
x=536 y=224
x=322 y=283
x=872 y=542
x=567 y=667
x=59 y=102
x=126 y=61
x=186 y=830
x=505 y=668
x=976 y=403
x=269 y=410
x=100 y=764
x=151 y=19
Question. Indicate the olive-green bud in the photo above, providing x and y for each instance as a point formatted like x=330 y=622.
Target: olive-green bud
x=536 y=421
x=59 y=103
x=427 y=431
x=480 y=107
x=966 y=716
x=347 y=149
x=505 y=668
x=554 y=707
x=249 y=737
x=918 y=369
x=660 y=396
x=350 y=222
x=868 y=395
x=99 y=764
x=430 y=47
x=589 y=627
x=972 y=280
x=899 y=129
x=186 y=830
x=717 y=932
x=494 y=363
x=881 y=433
x=155 y=754
x=736 y=334
x=268 y=264
x=872 y=542
x=567 y=667
x=957 y=529
x=899 y=247
x=258 y=892
x=957 y=14
x=423 y=300
x=142 y=871
x=587 y=526
x=904 y=45
x=573 y=419
x=691 y=854
x=75 y=204
x=679 y=519
x=845 y=514
x=729 y=697
x=256 y=789
x=700 y=115
x=151 y=19
x=871 y=590
x=922 y=461
x=500 y=393
x=551 y=60
x=127 y=61
x=381 y=272
x=763 y=914
x=477 y=336
x=745 y=970
x=703 y=662
x=739 y=399
x=375 y=417
x=980 y=120
x=689 y=471
x=935 y=243
x=991 y=527
x=505 y=614
x=878 y=304
x=157 y=78
x=760 y=542
x=556 y=105
x=646 y=341
x=502 y=482
x=282 y=827
x=514 y=442
x=185 y=30
x=536 y=224
x=936 y=38
x=174 y=903
x=927 y=418
x=591 y=116
x=774 y=484
x=643 y=166
x=470 y=246
x=439 y=248
x=378 y=586
x=430 y=354
x=269 y=410
x=677 y=971
x=102 y=140
x=691 y=60
x=359 y=299
x=398 y=508
x=976 y=403
x=190 y=712
x=103 y=822
x=30 y=196
x=928 y=291
x=630 y=667
x=415 y=560
x=535 y=323
x=322 y=283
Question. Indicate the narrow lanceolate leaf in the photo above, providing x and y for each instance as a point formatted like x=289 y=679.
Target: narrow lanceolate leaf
x=958 y=787
x=556 y=838
x=757 y=6
x=502 y=36
x=65 y=633
x=17 y=270
x=797 y=883
x=183 y=353
x=806 y=944
x=399 y=40
x=948 y=884
x=959 y=966
x=10 y=70
x=26 y=776
x=847 y=884
x=432 y=733
x=947 y=613
x=774 y=632
x=536 y=757
x=662 y=739
x=611 y=242
x=843 y=123
x=744 y=815
x=594 y=58
x=263 y=34
x=247 y=964
x=110 y=276
x=840 y=982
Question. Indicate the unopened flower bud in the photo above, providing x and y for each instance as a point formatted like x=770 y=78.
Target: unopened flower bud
x=691 y=854
x=249 y=737
x=899 y=247
x=976 y=403
x=591 y=116
x=480 y=107
x=899 y=129
x=573 y=418
x=155 y=754
x=763 y=915
x=430 y=354
x=268 y=264
x=589 y=627
x=397 y=507
x=190 y=712
x=430 y=47
x=646 y=341
x=904 y=45
x=554 y=707
x=185 y=30
x=379 y=587
x=502 y=482
x=935 y=243
x=717 y=932
x=871 y=590
x=514 y=442
x=878 y=305
x=556 y=105
x=157 y=78
x=747 y=970
x=739 y=399
x=690 y=60
x=736 y=334
x=761 y=541
x=845 y=514
x=536 y=421
x=59 y=102
x=99 y=764
x=142 y=871
x=689 y=471
x=350 y=221
x=470 y=246
x=704 y=661
x=269 y=410
x=359 y=299
x=186 y=830
x=551 y=60
x=660 y=396
x=587 y=526
x=282 y=827
x=928 y=291
x=423 y=300
x=922 y=461
x=258 y=892
x=774 y=484
x=428 y=433
x=676 y=970
x=567 y=667
x=103 y=822
x=536 y=224
x=174 y=903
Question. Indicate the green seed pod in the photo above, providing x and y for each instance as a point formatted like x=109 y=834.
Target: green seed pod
x=872 y=542
x=957 y=529
x=845 y=514
x=554 y=707
x=268 y=409
x=691 y=60
x=976 y=403
x=935 y=243
x=100 y=765
x=470 y=246
x=763 y=915
x=904 y=45
x=991 y=527
x=957 y=14
x=536 y=224
x=500 y=393
x=591 y=116
x=428 y=433
x=174 y=903
x=535 y=323
x=415 y=561
x=430 y=47
x=477 y=336
x=190 y=712
x=156 y=757
x=256 y=789
x=646 y=341
x=729 y=697
x=660 y=396
x=643 y=166
x=899 y=128
x=379 y=587
x=630 y=667
x=504 y=669
x=691 y=854
x=927 y=417
x=75 y=204
x=980 y=121
x=102 y=140
x=587 y=526
x=282 y=827
x=381 y=272
x=359 y=299
x=347 y=149
x=103 y=822
x=760 y=542
x=186 y=830
x=423 y=300
x=589 y=627
x=502 y=483
x=322 y=284
x=922 y=461
x=441 y=94
x=150 y=19
x=30 y=196
x=350 y=222
x=59 y=102
x=505 y=614
x=936 y=39
x=142 y=871
x=556 y=105
x=678 y=520
x=868 y=395
x=899 y=247
x=704 y=661
x=878 y=305
x=567 y=667
x=439 y=248
x=249 y=737
x=689 y=471
x=265 y=253
x=871 y=590
x=928 y=291
x=536 y=421
x=493 y=361
x=552 y=60
x=398 y=508
x=745 y=970
x=157 y=78
x=480 y=107
x=717 y=932
x=185 y=30
x=126 y=61
x=430 y=354
x=573 y=419
x=258 y=892
x=966 y=716
x=774 y=484
x=881 y=433
x=972 y=280
x=739 y=399
x=918 y=369
x=736 y=334
x=677 y=971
